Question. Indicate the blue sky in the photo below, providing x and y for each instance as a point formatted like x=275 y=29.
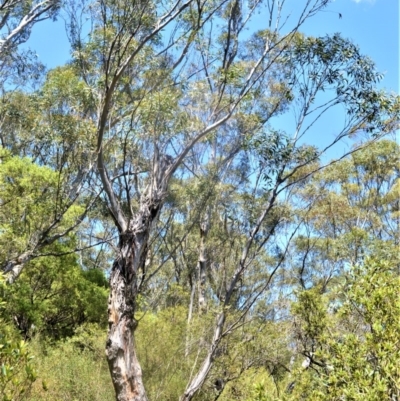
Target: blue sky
x=372 y=24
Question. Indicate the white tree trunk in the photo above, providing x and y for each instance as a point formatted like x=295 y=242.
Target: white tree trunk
x=197 y=382
x=202 y=264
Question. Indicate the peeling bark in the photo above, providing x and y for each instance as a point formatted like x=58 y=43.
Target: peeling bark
x=127 y=272
x=120 y=347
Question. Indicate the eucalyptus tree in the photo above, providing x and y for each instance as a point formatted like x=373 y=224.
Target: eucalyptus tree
x=45 y=125
x=165 y=78
x=348 y=214
x=352 y=214
x=46 y=192
x=17 y=18
x=19 y=123
x=283 y=163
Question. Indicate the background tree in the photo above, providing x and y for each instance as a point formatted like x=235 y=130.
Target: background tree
x=53 y=186
x=353 y=214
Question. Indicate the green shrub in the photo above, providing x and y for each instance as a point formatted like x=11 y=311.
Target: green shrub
x=73 y=370
x=17 y=371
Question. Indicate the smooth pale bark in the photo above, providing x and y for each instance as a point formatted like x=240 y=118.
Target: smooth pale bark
x=16 y=30
x=189 y=319
x=202 y=263
x=198 y=380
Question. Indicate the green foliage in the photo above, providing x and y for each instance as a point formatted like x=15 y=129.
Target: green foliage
x=50 y=124
x=259 y=393
x=354 y=213
x=357 y=354
x=37 y=301
x=134 y=96
x=161 y=349
x=17 y=370
x=26 y=197
x=30 y=205
x=253 y=385
x=73 y=369
x=333 y=62
x=313 y=321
